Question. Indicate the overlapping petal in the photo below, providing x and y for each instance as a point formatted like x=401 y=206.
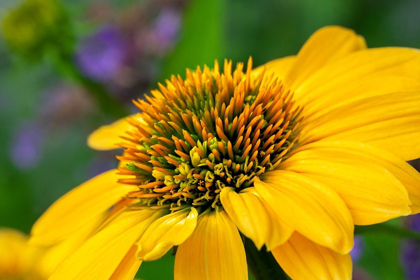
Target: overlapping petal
x=359 y=75
x=254 y=219
x=213 y=251
x=309 y=207
x=303 y=259
x=325 y=98
x=355 y=170
x=107 y=137
x=325 y=46
x=79 y=207
x=54 y=255
x=128 y=267
x=387 y=122
x=166 y=232
x=102 y=254
x=277 y=67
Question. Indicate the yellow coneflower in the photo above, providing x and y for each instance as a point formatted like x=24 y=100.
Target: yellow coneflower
x=17 y=259
x=292 y=155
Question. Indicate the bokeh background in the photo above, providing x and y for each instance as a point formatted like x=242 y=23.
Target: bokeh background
x=69 y=66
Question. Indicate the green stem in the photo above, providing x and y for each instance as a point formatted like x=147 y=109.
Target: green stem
x=387 y=229
x=262 y=263
x=105 y=101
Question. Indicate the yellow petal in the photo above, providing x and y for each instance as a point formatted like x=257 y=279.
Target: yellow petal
x=388 y=122
x=303 y=259
x=14 y=258
x=355 y=170
x=78 y=207
x=326 y=45
x=213 y=251
x=369 y=190
x=166 y=232
x=324 y=99
x=309 y=207
x=360 y=75
x=254 y=219
x=100 y=256
x=279 y=67
x=54 y=255
x=107 y=137
x=128 y=267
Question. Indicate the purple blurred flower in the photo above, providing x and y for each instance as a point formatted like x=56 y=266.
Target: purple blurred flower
x=414 y=222
x=26 y=148
x=62 y=105
x=410 y=258
x=410 y=251
x=166 y=28
x=357 y=250
x=101 y=55
x=101 y=163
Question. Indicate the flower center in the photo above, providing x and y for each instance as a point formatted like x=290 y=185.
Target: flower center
x=212 y=130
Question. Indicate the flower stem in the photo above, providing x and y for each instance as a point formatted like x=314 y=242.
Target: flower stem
x=262 y=263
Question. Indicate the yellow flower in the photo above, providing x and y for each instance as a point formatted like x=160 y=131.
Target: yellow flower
x=292 y=154
x=17 y=259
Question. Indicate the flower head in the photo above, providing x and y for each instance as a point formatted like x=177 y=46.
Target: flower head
x=212 y=131
x=290 y=154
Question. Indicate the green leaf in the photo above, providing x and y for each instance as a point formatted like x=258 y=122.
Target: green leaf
x=162 y=268
x=382 y=244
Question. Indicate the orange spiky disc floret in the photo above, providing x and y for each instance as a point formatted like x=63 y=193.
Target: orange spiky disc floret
x=207 y=132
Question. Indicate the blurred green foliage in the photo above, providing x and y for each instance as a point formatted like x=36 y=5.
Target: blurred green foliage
x=37 y=26
x=216 y=29
x=202 y=38
x=381 y=256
